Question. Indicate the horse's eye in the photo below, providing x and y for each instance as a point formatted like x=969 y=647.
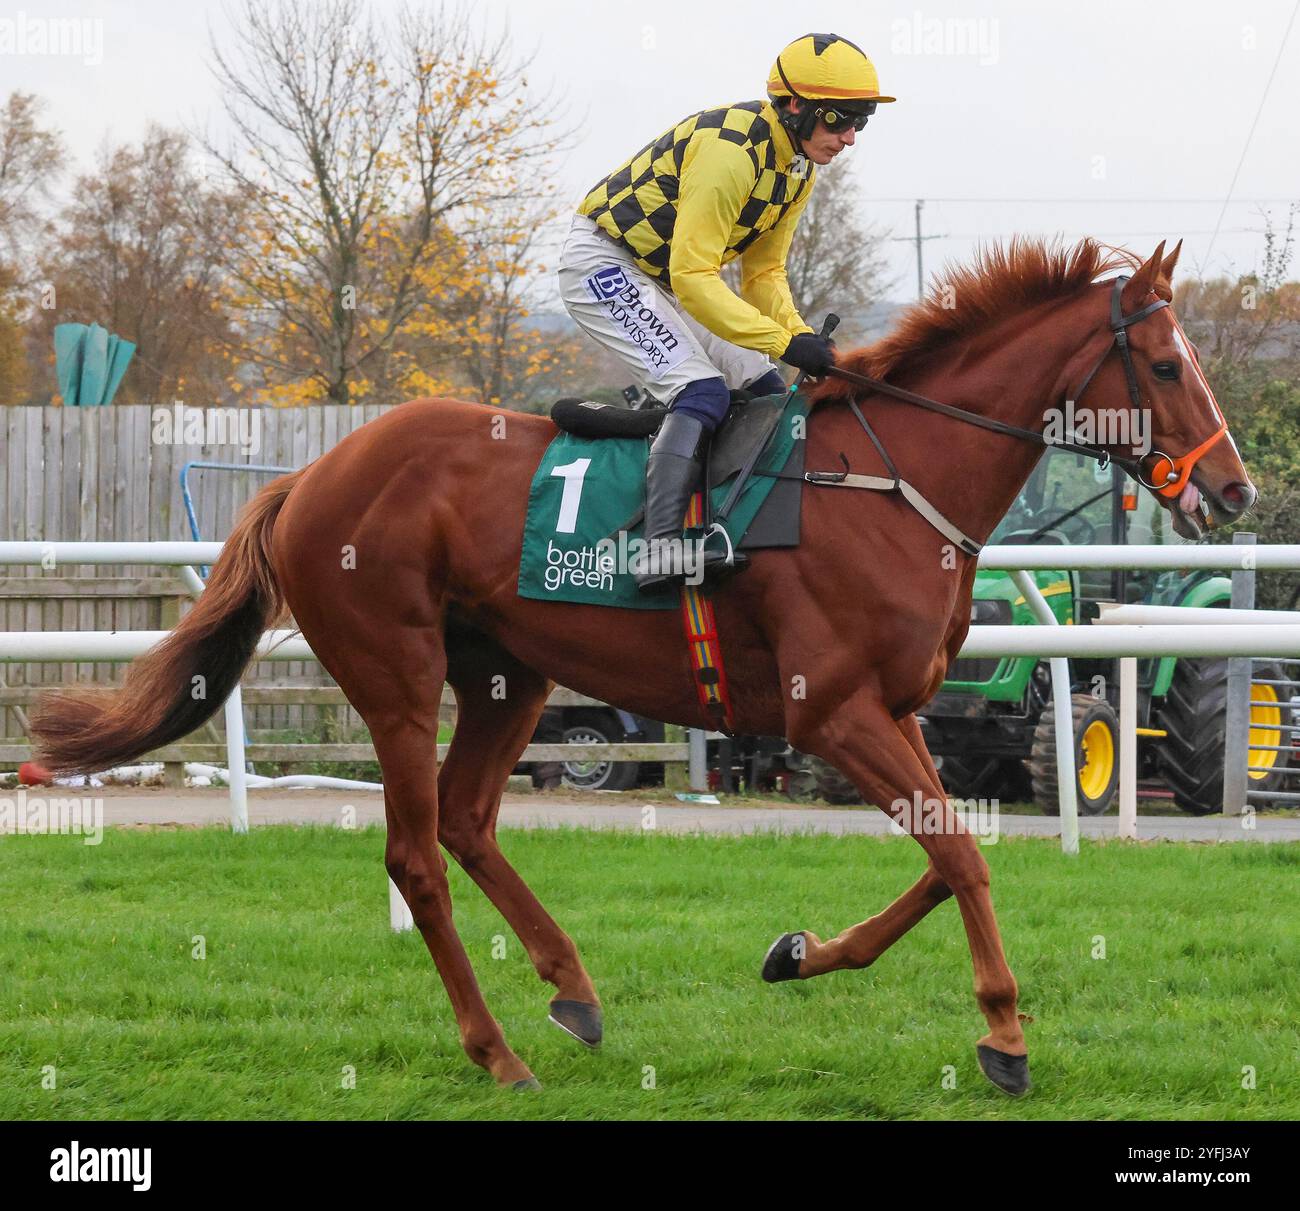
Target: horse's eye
x=1167 y=371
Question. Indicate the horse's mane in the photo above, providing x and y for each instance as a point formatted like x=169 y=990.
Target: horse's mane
x=1002 y=280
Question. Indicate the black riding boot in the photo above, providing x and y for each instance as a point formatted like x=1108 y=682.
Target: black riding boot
x=673 y=473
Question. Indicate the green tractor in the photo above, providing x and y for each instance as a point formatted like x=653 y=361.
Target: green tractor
x=991 y=726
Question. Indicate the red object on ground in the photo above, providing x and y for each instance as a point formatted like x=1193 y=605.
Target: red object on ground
x=31 y=774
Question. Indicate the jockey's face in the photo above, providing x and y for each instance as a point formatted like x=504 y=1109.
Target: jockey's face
x=824 y=145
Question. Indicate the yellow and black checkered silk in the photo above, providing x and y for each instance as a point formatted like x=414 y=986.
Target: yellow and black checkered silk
x=637 y=204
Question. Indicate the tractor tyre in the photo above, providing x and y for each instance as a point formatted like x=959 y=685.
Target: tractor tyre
x=832 y=786
x=1001 y=778
x=1096 y=756
x=1190 y=756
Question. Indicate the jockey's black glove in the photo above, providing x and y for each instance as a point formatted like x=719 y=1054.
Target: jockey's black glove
x=809 y=352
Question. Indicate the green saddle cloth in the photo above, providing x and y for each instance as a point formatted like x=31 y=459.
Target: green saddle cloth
x=585 y=489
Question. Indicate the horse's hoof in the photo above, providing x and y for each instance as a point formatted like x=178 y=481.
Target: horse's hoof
x=1010 y=1073
x=780 y=962
x=526 y=1084
x=584 y=1022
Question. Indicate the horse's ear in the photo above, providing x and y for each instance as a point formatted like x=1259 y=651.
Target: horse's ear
x=1143 y=281
x=1170 y=262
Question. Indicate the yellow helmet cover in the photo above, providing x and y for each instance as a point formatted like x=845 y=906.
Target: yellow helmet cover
x=824 y=67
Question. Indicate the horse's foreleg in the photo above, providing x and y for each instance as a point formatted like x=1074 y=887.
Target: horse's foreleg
x=492 y=729
x=866 y=745
x=860 y=945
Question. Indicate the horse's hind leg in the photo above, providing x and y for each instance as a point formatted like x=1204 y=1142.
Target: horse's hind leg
x=396 y=686
x=498 y=702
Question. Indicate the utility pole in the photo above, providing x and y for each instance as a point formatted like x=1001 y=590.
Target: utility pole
x=919 y=240
x=920 y=271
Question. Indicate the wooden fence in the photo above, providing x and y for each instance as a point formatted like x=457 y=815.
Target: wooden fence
x=114 y=474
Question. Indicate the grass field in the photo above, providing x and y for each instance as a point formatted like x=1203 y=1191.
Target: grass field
x=302 y=978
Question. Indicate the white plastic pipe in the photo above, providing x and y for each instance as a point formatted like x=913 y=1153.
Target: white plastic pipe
x=199 y=769
x=287 y=782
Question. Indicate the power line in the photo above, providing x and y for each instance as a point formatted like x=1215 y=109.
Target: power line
x=1246 y=147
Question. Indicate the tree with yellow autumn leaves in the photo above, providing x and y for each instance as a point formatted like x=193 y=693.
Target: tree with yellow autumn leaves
x=386 y=177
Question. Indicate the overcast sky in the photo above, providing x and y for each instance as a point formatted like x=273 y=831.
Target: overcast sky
x=1125 y=119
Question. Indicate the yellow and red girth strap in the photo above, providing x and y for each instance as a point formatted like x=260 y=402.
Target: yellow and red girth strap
x=702 y=641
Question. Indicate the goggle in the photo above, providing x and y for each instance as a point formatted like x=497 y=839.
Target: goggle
x=837 y=119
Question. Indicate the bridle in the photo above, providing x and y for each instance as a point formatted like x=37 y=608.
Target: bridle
x=1168 y=475
x=1156 y=470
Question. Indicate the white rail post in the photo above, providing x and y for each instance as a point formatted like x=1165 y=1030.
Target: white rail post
x=1063 y=710
x=1128 y=744
x=697 y=766
x=1236 y=738
x=399 y=912
x=234 y=709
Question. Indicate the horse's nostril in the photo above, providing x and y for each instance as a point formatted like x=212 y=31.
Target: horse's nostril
x=1238 y=496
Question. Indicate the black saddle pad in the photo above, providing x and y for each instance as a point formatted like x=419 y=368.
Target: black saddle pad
x=584 y=418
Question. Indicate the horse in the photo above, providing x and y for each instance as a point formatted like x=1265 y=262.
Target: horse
x=396 y=554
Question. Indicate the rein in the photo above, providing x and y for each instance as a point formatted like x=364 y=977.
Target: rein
x=1167 y=474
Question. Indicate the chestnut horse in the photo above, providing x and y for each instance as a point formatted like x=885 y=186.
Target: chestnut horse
x=397 y=554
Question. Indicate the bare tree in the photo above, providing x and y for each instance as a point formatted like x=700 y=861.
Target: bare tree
x=496 y=351
x=837 y=259
x=363 y=156
x=129 y=252
x=1254 y=317
x=31 y=159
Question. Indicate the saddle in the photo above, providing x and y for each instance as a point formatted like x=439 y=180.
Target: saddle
x=733 y=453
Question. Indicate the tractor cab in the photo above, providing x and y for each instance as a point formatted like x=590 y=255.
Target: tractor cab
x=1070 y=501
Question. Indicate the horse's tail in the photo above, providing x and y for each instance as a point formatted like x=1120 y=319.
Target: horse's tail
x=179 y=684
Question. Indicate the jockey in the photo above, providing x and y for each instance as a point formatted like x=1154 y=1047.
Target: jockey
x=640 y=269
